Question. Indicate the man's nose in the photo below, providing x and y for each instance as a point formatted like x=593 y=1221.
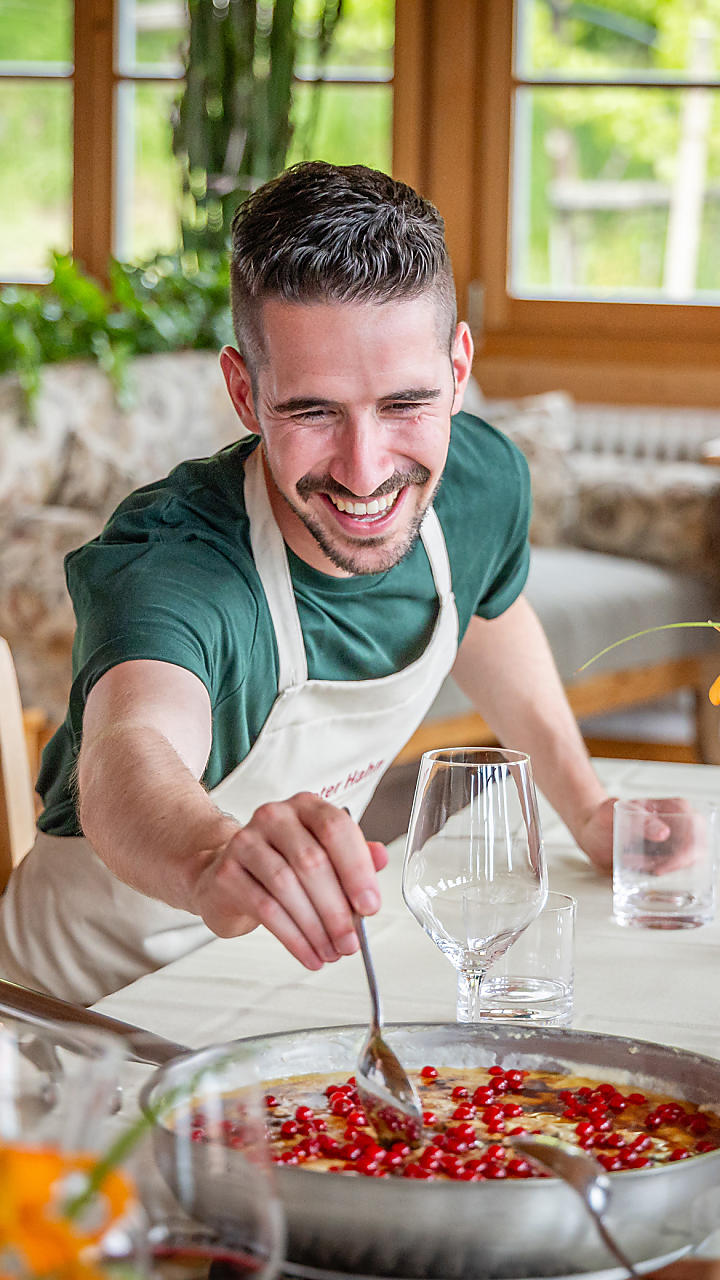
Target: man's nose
x=363 y=460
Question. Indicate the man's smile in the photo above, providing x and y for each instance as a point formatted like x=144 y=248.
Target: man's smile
x=371 y=507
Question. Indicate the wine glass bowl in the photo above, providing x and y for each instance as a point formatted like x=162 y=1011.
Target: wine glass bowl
x=474 y=872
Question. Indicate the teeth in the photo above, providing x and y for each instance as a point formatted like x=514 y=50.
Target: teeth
x=372 y=508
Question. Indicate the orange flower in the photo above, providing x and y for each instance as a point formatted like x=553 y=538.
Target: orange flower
x=35 y=1232
x=714 y=690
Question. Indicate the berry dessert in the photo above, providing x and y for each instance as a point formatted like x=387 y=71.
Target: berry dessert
x=471 y=1117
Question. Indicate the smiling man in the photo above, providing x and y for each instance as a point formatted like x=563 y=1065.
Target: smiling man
x=260 y=632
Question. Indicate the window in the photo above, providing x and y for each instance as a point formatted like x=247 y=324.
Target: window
x=86 y=95
x=598 y=196
x=35 y=133
x=616 y=151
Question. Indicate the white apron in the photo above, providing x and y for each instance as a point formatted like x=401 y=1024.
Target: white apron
x=69 y=927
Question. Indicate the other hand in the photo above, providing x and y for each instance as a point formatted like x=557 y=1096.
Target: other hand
x=595 y=835
x=663 y=844
x=299 y=867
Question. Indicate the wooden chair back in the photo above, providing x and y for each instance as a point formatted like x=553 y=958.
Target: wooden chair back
x=17 y=804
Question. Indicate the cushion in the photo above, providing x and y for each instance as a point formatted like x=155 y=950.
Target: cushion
x=36 y=615
x=666 y=512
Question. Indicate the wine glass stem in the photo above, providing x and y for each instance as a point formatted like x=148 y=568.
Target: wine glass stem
x=468 y=994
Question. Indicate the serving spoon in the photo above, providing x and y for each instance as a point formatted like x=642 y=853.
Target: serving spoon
x=387 y=1095
x=581 y=1172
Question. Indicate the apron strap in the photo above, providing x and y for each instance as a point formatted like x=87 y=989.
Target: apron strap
x=268 y=548
x=433 y=540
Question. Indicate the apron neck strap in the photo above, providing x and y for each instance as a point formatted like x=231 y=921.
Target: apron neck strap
x=271 y=562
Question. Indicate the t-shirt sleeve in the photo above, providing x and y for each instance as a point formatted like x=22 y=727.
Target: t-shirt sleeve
x=484 y=506
x=512 y=552
x=164 y=601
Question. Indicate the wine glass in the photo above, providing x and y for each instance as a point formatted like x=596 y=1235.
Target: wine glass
x=209 y=1189
x=474 y=872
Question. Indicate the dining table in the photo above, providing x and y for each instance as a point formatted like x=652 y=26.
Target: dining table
x=660 y=985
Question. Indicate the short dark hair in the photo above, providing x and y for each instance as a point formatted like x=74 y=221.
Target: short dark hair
x=335 y=233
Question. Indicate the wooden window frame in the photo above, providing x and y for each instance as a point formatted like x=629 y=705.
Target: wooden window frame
x=456 y=80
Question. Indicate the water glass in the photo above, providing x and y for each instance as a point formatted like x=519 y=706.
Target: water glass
x=533 y=982
x=665 y=862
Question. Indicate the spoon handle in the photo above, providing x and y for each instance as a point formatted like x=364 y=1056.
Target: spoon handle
x=361 y=932
x=613 y=1245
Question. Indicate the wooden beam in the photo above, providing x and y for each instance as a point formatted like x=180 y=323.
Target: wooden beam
x=93 y=202
x=410 y=92
x=451 y=159
x=435 y=112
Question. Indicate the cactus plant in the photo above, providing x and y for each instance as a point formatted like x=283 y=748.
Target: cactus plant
x=231 y=128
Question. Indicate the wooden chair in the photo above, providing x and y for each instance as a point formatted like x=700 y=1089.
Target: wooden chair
x=17 y=803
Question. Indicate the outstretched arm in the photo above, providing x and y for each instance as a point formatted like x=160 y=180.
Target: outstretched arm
x=507 y=670
x=295 y=867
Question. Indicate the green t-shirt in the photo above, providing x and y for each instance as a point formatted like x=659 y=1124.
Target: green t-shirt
x=172 y=578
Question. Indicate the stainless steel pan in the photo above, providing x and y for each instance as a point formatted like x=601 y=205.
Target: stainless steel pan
x=439 y=1231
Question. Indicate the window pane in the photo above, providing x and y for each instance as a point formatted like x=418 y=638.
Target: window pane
x=353 y=124
x=363 y=38
x=35 y=172
x=150 y=34
x=616 y=193
x=643 y=37
x=148 y=183
x=36 y=31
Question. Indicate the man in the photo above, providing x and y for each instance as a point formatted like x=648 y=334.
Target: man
x=260 y=632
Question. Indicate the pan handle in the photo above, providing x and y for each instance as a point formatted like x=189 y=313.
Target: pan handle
x=145 y=1046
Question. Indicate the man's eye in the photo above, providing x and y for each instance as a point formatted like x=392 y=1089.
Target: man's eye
x=312 y=415
x=404 y=406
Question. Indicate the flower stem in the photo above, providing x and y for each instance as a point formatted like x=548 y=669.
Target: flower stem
x=666 y=626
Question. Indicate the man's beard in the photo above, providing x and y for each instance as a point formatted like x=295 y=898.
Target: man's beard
x=344 y=557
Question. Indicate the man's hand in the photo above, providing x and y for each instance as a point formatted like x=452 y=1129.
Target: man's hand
x=663 y=835
x=595 y=835
x=664 y=850
x=299 y=867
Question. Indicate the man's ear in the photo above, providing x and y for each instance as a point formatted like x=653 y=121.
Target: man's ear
x=462 y=358
x=239 y=385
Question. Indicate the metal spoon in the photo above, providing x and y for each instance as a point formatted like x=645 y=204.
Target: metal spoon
x=583 y=1174
x=388 y=1097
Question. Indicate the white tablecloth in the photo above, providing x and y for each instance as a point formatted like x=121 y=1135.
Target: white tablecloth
x=656 y=985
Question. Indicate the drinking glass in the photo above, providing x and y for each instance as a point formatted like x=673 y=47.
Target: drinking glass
x=209 y=1189
x=66 y=1209
x=533 y=982
x=474 y=872
x=670 y=882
